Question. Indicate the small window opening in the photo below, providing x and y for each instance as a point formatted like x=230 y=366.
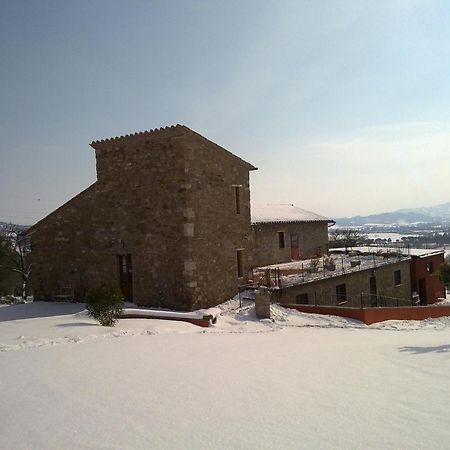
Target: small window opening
x=302 y=299
x=281 y=239
x=240 y=272
x=397 y=277
x=341 y=293
x=237 y=193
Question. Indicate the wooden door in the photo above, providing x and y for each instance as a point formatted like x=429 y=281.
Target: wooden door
x=295 y=252
x=126 y=276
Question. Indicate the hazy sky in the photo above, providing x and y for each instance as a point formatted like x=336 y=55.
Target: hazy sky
x=344 y=106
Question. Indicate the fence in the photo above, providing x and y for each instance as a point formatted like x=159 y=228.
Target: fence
x=320 y=268
x=362 y=300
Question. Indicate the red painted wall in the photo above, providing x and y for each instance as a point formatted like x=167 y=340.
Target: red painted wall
x=373 y=315
x=432 y=287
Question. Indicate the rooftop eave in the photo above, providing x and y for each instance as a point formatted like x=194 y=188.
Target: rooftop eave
x=172 y=131
x=260 y=222
x=149 y=133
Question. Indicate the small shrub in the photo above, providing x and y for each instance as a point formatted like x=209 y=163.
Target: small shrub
x=7 y=300
x=105 y=305
x=329 y=263
x=444 y=273
x=313 y=266
x=11 y=300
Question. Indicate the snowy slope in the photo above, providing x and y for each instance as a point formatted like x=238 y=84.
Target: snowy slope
x=298 y=382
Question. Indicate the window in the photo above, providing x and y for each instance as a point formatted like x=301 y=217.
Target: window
x=373 y=285
x=429 y=267
x=240 y=272
x=125 y=264
x=397 y=277
x=237 y=195
x=341 y=293
x=302 y=299
x=281 y=239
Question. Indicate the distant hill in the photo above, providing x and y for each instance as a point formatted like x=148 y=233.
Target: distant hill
x=431 y=214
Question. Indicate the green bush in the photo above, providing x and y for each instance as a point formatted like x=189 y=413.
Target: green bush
x=313 y=266
x=105 y=305
x=444 y=273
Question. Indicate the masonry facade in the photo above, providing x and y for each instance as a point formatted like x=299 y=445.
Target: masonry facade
x=167 y=221
x=425 y=281
x=391 y=281
x=283 y=233
x=283 y=242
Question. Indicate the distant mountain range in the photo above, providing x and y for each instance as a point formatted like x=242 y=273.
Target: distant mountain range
x=431 y=214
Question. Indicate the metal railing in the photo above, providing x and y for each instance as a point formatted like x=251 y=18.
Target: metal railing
x=287 y=277
x=362 y=300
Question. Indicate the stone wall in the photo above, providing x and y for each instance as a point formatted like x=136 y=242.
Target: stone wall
x=65 y=251
x=323 y=291
x=313 y=241
x=143 y=181
x=217 y=231
x=134 y=208
x=166 y=198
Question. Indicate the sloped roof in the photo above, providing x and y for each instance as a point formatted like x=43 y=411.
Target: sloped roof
x=272 y=213
x=163 y=132
x=152 y=132
x=77 y=198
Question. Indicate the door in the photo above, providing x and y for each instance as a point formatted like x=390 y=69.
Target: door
x=126 y=276
x=422 y=292
x=295 y=252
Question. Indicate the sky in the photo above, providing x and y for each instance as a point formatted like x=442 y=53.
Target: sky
x=342 y=105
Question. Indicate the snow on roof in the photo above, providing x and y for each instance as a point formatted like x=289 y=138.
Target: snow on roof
x=284 y=213
x=294 y=273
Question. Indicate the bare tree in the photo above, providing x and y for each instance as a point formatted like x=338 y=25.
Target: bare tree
x=346 y=237
x=15 y=248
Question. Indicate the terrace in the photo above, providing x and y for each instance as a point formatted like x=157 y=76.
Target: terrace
x=294 y=273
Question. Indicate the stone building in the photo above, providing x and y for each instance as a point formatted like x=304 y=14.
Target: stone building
x=426 y=287
x=338 y=279
x=283 y=233
x=167 y=221
x=424 y=275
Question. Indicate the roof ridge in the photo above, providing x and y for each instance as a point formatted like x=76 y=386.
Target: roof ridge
x=283 y=213
x=178 y=126
x=222 y=148
x=140 y=133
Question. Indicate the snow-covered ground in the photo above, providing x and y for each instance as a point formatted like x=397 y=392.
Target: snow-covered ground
x=394 y=237
x=293 y=273
x=301 y=381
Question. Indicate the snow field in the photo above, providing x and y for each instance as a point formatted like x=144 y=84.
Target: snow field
x=302 y=381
